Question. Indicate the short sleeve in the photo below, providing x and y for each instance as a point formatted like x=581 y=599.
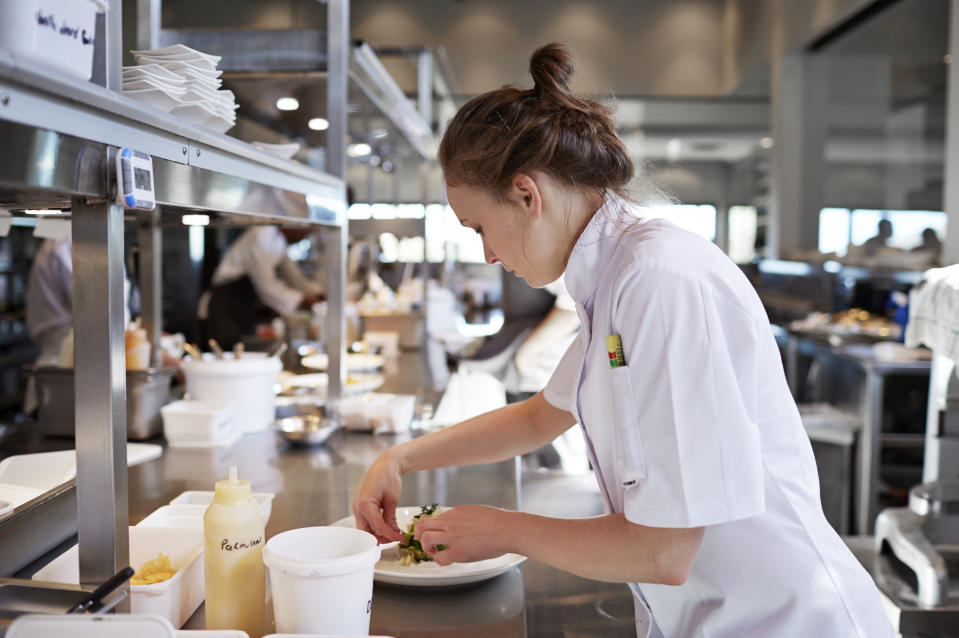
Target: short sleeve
x=560 y=388
x=692 y=359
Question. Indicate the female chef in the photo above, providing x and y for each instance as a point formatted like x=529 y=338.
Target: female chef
x=714 y=518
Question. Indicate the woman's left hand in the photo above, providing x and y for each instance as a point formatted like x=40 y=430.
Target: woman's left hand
x=468 y=532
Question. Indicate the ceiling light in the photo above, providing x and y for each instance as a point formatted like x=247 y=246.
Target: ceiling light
x=766 y=142
x=318 y=123
x=287 y=104
x=45 y=212
x=196 y=220
x=387 y=166
x=358 y=150
x=374 y=160
x=380 y=133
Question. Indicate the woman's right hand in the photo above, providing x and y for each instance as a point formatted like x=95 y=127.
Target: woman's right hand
x=375 y=506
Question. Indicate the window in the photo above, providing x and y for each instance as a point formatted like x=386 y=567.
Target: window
x=743 y=221
x=696 y=218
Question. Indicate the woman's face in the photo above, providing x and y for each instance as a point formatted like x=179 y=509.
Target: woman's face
x=519 y=233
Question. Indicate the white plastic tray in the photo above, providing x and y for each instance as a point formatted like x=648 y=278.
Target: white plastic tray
x=175 y=599
x=203 y=497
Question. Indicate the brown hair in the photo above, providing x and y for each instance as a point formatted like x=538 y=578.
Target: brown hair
x=502 y=133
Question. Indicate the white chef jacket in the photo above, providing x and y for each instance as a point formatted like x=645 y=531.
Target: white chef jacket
x=260 y=254
x=699 y=429
x=49 y=297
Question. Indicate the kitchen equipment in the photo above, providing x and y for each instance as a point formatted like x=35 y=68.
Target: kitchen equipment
x=179 y=516
x=310 y=429
x=147 y=391
x=917 y=547
x=94 y=602
x=322 y=579
x=18 y=598
x=199 y=423
x=50 y=34
x=205 y=497
x=247 y=383
x=234 y=579
x=100 y=626
x=175 y=598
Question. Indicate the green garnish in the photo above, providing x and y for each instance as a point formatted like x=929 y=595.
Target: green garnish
x=410 y=548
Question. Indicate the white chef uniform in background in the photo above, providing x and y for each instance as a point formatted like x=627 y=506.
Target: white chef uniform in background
x=260 y=254
x=49 y=299
x=699 y=429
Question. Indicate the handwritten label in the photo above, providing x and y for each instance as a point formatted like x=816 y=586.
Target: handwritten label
x=235 y=546
x=74 y=32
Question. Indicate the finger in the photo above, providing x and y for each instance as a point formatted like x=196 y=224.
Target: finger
x=389 y=514
x=429 y=524
x=433 y=541
x=371 y=514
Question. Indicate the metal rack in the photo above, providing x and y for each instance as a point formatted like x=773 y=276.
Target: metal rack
x=59 y=136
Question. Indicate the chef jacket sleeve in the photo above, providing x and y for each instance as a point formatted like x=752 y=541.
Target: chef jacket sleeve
x=292 y=274
x=560 y=388
x=262 y=269
x=692 y=447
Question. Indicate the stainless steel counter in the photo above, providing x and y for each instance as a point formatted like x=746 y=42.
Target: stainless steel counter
x=316 y=486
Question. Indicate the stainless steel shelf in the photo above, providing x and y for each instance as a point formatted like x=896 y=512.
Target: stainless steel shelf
x=57 y=148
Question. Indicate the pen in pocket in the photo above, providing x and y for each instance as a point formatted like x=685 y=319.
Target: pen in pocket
x=614 y=348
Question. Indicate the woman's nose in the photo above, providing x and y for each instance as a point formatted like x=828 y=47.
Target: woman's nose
x=488 y=254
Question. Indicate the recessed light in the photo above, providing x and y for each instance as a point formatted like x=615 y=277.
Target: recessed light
x=318 y=123
x=766 y=142
x=195 y=220
x=358 y=150
x=287 y=104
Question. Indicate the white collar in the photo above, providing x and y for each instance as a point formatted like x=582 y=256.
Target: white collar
x=594 y=249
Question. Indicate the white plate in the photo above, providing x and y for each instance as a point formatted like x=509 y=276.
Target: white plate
x=157 y=98
x=175 y=50
x=286 y=151
x=429 y=574
x=318 y=381
x=354 y=361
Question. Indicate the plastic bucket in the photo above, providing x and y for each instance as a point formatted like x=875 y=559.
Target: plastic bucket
x=247 y=384
x=322 y=580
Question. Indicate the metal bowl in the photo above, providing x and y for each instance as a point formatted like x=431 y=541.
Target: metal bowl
x=310 y=429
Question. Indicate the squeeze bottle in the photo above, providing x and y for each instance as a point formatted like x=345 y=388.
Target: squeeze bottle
x=233 y=570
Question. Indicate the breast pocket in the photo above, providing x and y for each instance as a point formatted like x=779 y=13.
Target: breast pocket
x=628 y=454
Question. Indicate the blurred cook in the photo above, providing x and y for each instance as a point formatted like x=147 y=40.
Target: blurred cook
x=50 y=306
x=256 y=282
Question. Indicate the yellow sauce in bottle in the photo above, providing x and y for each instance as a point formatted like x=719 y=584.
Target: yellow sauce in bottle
x=233 y=530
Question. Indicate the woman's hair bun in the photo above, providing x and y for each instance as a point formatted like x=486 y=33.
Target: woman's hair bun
x=552 y=69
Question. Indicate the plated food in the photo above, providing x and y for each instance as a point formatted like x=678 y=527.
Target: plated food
x=411 y=551
x=428 y=573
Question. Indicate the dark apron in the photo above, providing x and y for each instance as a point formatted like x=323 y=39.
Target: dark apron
x=234 y=312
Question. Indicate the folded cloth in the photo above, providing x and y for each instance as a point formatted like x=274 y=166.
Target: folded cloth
x=934 y=312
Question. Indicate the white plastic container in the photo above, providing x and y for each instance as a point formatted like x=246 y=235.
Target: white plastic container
x=50 y=34
x=175 y=599
x=322 y=580
x=205 y=497
x=194 y=423
x=179 y=516
x=247 y=384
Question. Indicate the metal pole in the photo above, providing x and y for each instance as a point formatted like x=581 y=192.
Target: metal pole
x=100 y=389
x=149 y=241
x=424 y=73
x=338 y=55
x=950 y=253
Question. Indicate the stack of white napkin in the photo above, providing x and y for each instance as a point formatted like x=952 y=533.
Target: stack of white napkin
x=184 y=82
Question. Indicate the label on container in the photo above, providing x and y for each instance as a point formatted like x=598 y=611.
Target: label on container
x=234 y=545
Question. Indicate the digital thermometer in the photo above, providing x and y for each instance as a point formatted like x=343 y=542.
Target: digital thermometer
x=135 y=179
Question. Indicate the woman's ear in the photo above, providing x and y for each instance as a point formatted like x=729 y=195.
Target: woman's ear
x=526 y=193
